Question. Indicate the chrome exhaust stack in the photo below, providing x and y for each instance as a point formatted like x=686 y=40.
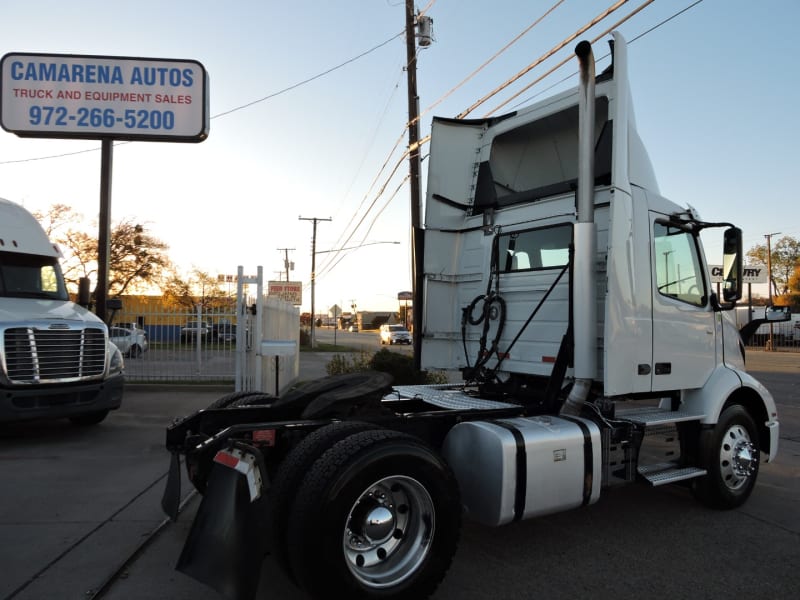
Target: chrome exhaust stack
x=584 y=309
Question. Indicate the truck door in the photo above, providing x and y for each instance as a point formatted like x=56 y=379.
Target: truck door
x=683 y=320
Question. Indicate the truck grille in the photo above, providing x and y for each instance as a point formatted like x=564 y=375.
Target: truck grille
x=54 y=355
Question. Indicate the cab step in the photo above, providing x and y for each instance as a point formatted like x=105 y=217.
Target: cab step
x=653 y=415
x=664 y=473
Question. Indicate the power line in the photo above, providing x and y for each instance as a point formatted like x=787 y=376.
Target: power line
x=542 y=58
x=310 y=79
x=569 y=58
x=631 y=41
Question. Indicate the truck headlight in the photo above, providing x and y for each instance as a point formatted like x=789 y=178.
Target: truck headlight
x=116 y=364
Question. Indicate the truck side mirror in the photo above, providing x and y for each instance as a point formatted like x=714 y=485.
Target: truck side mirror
x=777 y=313
x=732 y=265
x=84 y=292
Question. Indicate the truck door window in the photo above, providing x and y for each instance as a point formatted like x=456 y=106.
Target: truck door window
x=678 y=271
x=543 y=248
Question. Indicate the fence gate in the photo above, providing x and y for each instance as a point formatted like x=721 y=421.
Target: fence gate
x=267 y=346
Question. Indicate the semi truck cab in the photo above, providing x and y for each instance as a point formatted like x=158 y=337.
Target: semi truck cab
x=56 y=360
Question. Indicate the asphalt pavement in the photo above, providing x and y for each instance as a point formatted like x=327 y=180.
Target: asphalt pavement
x=93 y=539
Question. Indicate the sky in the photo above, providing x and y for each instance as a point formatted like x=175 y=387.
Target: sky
x=308 y=106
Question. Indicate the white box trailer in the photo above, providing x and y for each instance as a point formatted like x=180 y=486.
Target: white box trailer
x=577 y=304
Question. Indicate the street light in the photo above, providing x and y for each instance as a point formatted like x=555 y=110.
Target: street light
x=769 y=277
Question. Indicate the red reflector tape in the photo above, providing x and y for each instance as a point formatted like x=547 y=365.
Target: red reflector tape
x=548 y=359
x=226 y=459
x=265 y=436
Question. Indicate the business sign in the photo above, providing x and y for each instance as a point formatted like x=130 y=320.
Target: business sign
x=92 y=97
x=405 y=296
x=291 y=291
x=750 y=274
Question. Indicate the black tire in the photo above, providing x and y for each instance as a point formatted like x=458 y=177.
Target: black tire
x=135 y=351
x=378 y=515
x=333 y=396
x=290 y=475
x=729 y=453
x=92 y=418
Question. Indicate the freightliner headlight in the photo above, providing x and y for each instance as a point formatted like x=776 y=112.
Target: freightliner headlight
x=116 y=364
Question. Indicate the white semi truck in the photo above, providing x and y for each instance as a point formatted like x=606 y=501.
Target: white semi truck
x=56 y=359
x=576 y=303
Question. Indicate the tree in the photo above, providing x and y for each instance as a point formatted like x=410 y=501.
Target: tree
x=199 y=289
x=137 y=259
x=792 y=298
x=785 y=254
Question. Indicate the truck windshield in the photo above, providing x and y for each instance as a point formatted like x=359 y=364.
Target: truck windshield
x=31 y=276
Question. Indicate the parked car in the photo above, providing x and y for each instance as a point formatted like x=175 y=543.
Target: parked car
x=133 y=327
x=226 y=333
x=194 y=329
x=131 y=342
x=394 y=334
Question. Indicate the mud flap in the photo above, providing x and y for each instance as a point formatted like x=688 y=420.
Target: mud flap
x=227 y=542
x=171 y=500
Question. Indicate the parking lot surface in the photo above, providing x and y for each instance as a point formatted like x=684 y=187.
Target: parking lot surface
x=80 y=518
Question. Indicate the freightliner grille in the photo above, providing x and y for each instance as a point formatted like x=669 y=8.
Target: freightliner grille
x=57 y=354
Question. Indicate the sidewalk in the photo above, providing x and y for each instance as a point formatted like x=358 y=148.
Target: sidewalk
x=783 y=362
x=312 y=364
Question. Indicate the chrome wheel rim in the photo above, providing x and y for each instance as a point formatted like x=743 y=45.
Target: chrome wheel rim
x=738 y=457
x=388 y=531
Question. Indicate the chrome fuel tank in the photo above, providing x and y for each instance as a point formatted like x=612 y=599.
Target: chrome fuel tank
x=513 y=469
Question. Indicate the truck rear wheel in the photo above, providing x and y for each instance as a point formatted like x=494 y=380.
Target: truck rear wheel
x=730 y=455
x=377 y=516
x=290 y=475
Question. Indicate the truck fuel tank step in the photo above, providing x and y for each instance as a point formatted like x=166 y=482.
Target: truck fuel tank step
x=653 y=415
x=664 y=473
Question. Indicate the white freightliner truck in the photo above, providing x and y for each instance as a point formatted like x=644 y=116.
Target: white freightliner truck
x=55 y=359
x=576 y=302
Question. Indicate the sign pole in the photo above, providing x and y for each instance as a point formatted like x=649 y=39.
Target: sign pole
x=104 y=233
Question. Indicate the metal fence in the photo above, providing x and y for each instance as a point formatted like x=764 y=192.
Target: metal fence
x=196 y=355
x=783 y=335
x=233 y=345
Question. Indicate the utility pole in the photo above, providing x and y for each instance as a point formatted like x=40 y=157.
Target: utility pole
x=286 y=263
x=314 y=220
x=769 y=278
x=417 y=250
